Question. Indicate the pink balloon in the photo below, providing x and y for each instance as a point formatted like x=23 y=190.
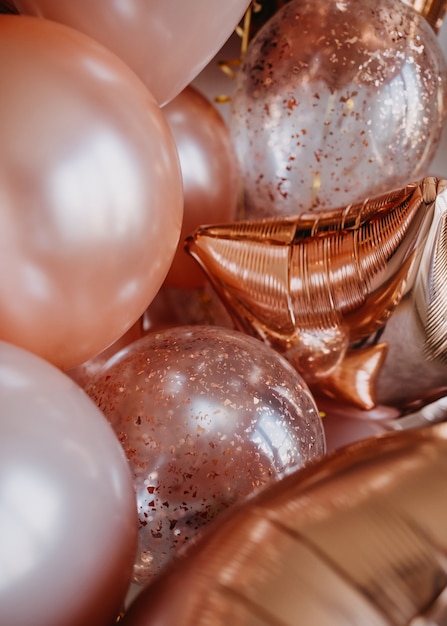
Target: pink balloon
x=166 y=42
x=209 y=171
x=206 y=416
x=67 y=505
x=91 y=195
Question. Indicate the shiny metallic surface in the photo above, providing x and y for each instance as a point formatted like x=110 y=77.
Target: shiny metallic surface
x=356 y=538
x=352 y=297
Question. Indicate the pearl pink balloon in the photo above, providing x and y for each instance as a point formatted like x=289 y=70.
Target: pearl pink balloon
x=209 y=171
x=166 y=42
x=91 y=194
x=335 y=102
x=68 y=519
x=206 y=416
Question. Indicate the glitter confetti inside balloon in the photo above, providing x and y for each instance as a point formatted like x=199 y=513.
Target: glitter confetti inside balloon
x=206 y=415
x=357 y=538
x=354 y=297
x=336 y=101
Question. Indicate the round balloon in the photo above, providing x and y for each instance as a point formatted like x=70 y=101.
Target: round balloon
x=68 y=521
x=326 y=545
x=209 y=171
x=91 y=195
x=206 y=415
x=335 y=102
x=82 y=374
x=167 y=43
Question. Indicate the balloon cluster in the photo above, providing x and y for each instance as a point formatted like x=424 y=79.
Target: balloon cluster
x=132 y=414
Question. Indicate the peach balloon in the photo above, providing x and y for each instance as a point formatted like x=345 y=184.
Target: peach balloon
x=166 y=42
x=209 y=171
x=68 y=520
x=91 y=197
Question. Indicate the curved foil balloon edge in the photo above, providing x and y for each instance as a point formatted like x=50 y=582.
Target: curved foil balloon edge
x=321 y=287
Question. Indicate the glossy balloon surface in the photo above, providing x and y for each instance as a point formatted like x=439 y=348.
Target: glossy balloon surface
x=165 y=42
x=335 y=102
x=209 y=172
x=335 y=544
x=90 y=193
x=206 y=415
x=353 y=297
x=68 y=522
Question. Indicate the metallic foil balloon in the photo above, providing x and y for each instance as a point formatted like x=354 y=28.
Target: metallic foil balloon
x=165 y=42
x=358 y=538
x=354 y=297
x=68 y=521
x=91 y=197
x=209 y=172
x=336 y=101
x=206 y=415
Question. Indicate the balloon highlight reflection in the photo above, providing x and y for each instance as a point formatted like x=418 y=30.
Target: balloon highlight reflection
x=167 y=43
x=356 y=538
x=68 y=521
x=206 y=415
x=91 y=198
x=353 y=297
x=334 y=102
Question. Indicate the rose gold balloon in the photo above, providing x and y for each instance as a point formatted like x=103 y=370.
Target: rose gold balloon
x=357 y=538
x=68 y=521
x=90 y=193
x=7 y=7
x=210 y=174
x=166 y=42
x=354 y=297
x=206 y=415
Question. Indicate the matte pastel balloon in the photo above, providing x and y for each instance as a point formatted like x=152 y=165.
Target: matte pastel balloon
x=206 y=415
x=91 y=196
x=68 y=521
x=335 y=102
x=166 y=42
x=209 y=171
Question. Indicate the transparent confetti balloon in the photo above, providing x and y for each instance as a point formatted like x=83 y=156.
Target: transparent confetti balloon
x=206 y=416
x=336 y=101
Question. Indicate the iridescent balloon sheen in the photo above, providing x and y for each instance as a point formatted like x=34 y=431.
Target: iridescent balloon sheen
x=206 y=416
x=336 y=101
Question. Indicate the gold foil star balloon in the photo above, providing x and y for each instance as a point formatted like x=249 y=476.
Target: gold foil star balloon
x=356 y=539
x=336 y=100
x=354 y=297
